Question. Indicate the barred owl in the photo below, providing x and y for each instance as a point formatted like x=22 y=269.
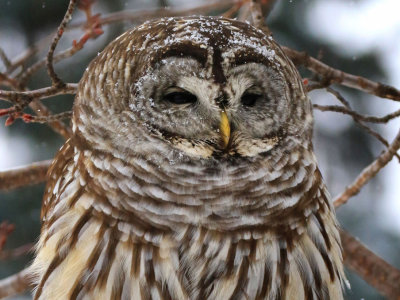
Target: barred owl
x=190 y=175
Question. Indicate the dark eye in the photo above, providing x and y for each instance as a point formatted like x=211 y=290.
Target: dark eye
x=250 y=99
x=181 y=97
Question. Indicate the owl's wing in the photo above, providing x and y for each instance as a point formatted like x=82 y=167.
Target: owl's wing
x=58 y=178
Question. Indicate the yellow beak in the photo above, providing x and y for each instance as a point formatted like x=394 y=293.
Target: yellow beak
x=225 y=128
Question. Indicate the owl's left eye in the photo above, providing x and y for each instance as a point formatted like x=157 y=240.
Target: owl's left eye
x=180 y=97
x=250 y=99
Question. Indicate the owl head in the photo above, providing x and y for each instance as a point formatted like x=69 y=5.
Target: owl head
x=192 y=87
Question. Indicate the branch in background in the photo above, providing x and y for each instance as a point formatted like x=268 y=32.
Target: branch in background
x=230 y=13
x=332 y=75
x=7 y=81
x=17 y=252
x=23 y=176
x=93 y=31
x=346 y=111
x=43 y=93
x=52 y=120
x=359 y=122
x=24 y=76
x=376 y=135
x=56 y=81
x=143 y=15
x=15 y=284
x=6 y=61
x=369 y=172
x=373 y=269
x=22 y=99
x=256 y=14
x=46 y=119
x=20 y=61
x=5 y=230
x=127 y=15
x=357 y=118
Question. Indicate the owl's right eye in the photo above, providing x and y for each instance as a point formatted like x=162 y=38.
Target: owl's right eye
x=180 y=97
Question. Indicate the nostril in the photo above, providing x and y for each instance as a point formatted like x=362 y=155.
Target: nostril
x=222 y=101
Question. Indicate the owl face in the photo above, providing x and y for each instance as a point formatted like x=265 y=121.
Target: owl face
x=207 y=87
x=189 y=107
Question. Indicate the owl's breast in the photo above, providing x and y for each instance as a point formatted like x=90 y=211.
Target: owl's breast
x=88 y=259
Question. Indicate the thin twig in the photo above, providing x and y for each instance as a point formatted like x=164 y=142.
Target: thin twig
x=133 y=15
x=56 y=81
x=22 y=176
x=373 y=269
x=375 y=134
x=17 y=252
x=9 y=82
x=54 y=121
x=256 y=14
x=5 y=230
x=370 y=119
x=4 y=59
x=41 y=63
x=141 y=15
x=332 y=75
x=358 y=118
x=42 y=93
x=368 y=173
x=244 y=12
x=232 y=11
x=15 y=284
x=47 y=119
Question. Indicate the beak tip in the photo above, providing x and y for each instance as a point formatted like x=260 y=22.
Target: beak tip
x=225 y=129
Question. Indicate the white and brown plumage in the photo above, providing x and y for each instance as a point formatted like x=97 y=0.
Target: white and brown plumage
x=190 y=175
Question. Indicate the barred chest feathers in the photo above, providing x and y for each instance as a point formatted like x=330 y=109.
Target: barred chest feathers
x=97 y=255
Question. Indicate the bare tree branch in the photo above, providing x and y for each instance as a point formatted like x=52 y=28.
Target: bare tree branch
x=346 y=111
x=43 y=93
x=6 y=61
x=5 y=230
x=373 y=269
x=332 y=75
x=53 y=120
x=56 y=81
x=368 y=173
x=24 y=76
x=256 y=14
x=360 y=119
x=17 y=252
x=142 y=15
x=22 y=176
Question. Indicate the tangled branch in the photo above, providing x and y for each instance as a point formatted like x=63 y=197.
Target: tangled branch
x=368 y=173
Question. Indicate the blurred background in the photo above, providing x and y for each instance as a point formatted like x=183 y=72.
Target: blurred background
x=360 y=37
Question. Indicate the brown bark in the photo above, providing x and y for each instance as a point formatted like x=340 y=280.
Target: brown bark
x=373 y=269
x=24 y=176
